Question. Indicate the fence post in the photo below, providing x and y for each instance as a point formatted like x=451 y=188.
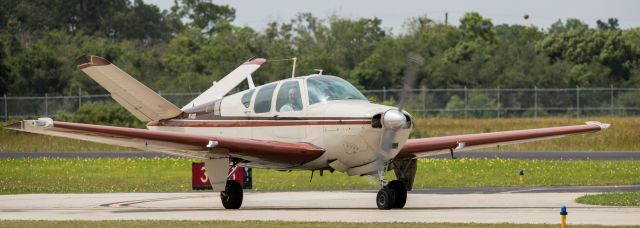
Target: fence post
x=423 y=90
x=578 y=101
x=384 y=93
x=79 y=97
x=6 y=111
x=498 y=104
x=466 y=96
x=535 y=102
x=611 y=105
x=46 y=105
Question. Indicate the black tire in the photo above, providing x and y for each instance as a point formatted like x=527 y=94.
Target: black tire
x=232 y=195
x=400 y=190
x=385 y=198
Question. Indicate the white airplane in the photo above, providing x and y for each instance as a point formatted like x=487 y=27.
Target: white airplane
x=314 y=122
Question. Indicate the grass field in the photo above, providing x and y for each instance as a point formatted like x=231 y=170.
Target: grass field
x=78 y=224
x=174 y=175
x=612 y=199
x=622 y=136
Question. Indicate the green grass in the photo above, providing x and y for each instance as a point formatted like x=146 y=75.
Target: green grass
x=612 y=199
x=622 y=136
x=150 y=223
x=44 y=175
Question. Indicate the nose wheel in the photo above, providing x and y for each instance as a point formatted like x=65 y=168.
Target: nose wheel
x=232 y=195
x=393 y=195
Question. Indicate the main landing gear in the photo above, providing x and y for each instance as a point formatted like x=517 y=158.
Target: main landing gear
x=232 y=195
x=392 y=195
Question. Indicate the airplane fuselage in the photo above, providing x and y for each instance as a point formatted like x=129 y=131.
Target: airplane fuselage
x=343 y=128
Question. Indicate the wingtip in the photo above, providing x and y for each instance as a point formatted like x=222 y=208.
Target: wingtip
x=602 y=126
x=258 y=61
x=27 y=125
x=90 y=60
x=14 y=126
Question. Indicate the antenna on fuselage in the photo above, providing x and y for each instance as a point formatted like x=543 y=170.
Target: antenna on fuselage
x=293 y=71
x=319 y=71
x=295 y=61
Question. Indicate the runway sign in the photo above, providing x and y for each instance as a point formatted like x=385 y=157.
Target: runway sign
x=200 y=180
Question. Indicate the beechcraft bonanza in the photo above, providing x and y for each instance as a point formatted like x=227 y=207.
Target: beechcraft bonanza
x=313 y=122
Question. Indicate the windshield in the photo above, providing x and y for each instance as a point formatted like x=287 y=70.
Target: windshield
x=330 y=88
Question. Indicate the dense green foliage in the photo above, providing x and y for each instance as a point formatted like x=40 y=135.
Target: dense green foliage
x=102 y=113
x=194 y=43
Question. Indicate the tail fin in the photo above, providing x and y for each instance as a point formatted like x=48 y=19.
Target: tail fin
x=227 y=83
x=138 y=99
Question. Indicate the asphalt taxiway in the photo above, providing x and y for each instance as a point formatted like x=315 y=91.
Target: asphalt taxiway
x=485 y=205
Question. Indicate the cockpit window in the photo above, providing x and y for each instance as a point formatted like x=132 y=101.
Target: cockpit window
x=263 y=98
x=329 y=88
x=246 y=98
x=289 y=97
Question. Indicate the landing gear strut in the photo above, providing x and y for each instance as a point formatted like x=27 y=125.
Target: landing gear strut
x=393 y=195
x=232 y=195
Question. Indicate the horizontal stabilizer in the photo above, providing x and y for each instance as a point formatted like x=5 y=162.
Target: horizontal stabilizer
x=138 y=99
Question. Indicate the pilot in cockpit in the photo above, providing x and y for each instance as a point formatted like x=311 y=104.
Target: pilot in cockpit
x=291 y=102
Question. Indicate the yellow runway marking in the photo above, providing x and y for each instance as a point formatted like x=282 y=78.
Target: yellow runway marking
x=125 y=204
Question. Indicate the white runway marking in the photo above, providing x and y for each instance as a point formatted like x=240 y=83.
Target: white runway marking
x=348 y=206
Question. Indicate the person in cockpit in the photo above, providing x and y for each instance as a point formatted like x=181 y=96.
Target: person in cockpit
x=291 y=102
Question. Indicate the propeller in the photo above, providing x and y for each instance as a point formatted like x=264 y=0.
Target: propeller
x=394 y=119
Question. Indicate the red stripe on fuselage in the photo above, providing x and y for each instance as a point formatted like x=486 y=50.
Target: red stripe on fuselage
x=253 y=123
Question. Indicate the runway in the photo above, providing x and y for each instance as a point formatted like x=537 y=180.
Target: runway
x=347 y=206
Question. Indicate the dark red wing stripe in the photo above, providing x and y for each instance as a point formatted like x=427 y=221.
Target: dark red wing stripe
x=252 y=123
x=446 y=142
x=273 y=151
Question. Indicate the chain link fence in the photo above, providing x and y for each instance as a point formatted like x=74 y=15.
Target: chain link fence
x=452 y=103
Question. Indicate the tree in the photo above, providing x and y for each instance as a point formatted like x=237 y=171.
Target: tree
x=141 y=22
x=475 y=27
x=571 y=24
x=611 y=24
x=205 y=15
x=587 y=46
x=36 y=71
x=4 y=70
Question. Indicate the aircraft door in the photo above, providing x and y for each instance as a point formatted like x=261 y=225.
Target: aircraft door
x=245 y=132
x=262 y=113
x=289 y=112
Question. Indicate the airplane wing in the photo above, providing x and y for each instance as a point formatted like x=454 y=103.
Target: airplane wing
x=416 y=148
x=138 y=99
x=227 y=83
x=176 y=143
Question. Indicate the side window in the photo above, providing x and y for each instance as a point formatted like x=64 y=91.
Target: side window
x=289 y=99
x=246 y=98
x=263 y=98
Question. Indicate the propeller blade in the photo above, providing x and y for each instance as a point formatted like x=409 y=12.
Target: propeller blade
x=386 y=142
x=414 y=61
x=392 y=121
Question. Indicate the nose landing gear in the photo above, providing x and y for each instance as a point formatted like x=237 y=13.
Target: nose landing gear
x=393 y=195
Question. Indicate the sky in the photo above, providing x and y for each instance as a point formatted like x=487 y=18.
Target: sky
x=542 y=13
